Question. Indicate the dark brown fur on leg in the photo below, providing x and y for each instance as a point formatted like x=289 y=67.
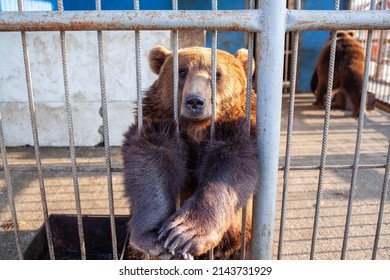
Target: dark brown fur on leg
x=154 y=172
x=227 y=176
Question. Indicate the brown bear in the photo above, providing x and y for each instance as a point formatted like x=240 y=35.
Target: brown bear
x=212 y=177
x=348 y=73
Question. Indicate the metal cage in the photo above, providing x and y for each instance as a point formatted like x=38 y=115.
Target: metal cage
x=266 y=26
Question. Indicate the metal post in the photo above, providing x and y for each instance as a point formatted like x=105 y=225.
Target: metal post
x=269 y=60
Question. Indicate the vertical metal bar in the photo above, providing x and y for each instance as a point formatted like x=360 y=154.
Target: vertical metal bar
x=213 y=73
x=249 y=74
x=382 y=204
x=138 y=69
x=248 y=124
x=10 y=192
x=71 y=137
x=324 y=139
x=293 y=77
x=247 y=121
x=106 y=138
x=175 y=47
x=137 y=36
x=36 y=139
x=358 y=139
x=383 y=39
x=379 y=56
x=286 y=58
x=269 y=62
x=376 y=78
x=386 y=82
x=214 y=4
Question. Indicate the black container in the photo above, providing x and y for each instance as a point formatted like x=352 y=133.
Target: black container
x=97 y=236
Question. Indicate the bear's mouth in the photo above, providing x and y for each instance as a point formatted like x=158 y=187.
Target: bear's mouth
x=196 y=117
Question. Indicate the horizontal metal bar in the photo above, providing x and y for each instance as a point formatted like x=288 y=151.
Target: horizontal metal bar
x=52 y=168
x=336 y=20
x=332 y=167
x=63 y=168
x=239 y=20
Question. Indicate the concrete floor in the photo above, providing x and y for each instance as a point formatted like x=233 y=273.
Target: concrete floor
x=302 y=188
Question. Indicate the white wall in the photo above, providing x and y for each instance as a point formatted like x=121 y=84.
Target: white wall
x=83 y=75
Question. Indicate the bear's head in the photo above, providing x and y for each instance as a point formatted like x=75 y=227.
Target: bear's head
x=194 y=71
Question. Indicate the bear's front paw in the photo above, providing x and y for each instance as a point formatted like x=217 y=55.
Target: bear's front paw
x=185 y=236
x=149 y=244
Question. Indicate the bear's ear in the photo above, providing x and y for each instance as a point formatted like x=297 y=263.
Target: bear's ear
x=157 y=57
x=242 y=56
x=351 y=33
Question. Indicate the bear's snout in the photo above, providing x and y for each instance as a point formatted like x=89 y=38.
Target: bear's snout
x=195 y=103
x=196 y=96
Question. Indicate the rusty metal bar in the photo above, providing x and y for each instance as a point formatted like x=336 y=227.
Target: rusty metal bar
x=336 y=20
x=238 y=20
x=244 y=20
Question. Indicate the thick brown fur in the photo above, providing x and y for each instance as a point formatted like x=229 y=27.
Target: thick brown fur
x=348 y=73
x=214 y=178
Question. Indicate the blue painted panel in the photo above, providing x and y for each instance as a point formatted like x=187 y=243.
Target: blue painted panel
x=311 y=45
x=207 y=4
x=74 y=5
x=28 y=5
x=117 y=5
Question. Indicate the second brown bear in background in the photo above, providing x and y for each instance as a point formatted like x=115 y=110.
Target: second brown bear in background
x=348 y=73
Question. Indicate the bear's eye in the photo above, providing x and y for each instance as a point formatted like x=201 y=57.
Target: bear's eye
x=218 y=75
x=183 y=72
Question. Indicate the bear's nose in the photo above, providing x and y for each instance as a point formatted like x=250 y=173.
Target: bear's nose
x=195 y=103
